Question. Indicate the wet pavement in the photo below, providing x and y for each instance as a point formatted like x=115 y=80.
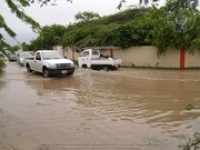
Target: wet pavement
x=125 y=109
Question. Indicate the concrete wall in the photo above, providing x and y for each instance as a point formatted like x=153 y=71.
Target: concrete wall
x=146 y=56
x=69 y=55
x=192 y=60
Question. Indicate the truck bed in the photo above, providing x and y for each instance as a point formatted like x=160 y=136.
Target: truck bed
x=105 y=62
x=27 y=59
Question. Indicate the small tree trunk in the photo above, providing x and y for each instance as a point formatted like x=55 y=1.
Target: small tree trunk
x=111 y=53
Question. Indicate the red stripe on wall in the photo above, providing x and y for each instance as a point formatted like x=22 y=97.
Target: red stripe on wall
x=182 y=58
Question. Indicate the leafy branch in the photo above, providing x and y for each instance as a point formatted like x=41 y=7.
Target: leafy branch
x=193 y=143
x=46 y=2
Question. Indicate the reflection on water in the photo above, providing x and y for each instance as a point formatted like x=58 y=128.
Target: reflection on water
x=2 y=84
x=135 y=106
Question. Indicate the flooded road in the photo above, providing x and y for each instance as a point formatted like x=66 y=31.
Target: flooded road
x=126 y=109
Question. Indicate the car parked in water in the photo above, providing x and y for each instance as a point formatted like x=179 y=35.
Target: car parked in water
x=22 y=56
x=12 y=56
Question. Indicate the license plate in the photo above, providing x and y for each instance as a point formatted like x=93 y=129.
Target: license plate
x=64 y=71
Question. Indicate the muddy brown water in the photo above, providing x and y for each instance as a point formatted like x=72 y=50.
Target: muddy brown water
x=126 y=109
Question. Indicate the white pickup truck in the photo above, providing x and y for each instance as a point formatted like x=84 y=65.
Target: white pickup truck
x=50 y=62
x=90 y=58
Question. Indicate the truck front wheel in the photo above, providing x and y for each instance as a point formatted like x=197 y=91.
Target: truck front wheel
x=84 y=66
x=45 y=73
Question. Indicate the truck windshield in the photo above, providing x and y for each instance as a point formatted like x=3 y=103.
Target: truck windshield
x=51 y=55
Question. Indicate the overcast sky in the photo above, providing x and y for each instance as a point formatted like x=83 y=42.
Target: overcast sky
x=62 y=14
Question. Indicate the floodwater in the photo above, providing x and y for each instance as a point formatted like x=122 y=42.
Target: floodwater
x=122 y=110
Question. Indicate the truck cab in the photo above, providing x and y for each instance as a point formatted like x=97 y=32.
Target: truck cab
x=87 y=55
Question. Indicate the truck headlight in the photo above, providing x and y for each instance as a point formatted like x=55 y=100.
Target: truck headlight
x=72 y=64
x=21 y=60
x=54 y=66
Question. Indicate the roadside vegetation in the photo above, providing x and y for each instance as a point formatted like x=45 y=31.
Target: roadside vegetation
x=133 y=27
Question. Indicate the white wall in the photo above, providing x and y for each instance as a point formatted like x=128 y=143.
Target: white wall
x=146 y=56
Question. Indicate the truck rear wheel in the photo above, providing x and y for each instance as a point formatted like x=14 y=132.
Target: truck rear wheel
x=28 y=68
x=45 y=73
x=106 y=68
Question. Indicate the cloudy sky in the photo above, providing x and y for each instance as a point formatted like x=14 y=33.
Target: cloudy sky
x=62 y=14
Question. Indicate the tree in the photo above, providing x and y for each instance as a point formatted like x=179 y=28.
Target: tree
x=49 y=36
x=140 y=2
x=45 y=2
x=16 y=8
x=86 y=16
x=25 y=46
x=145 y=2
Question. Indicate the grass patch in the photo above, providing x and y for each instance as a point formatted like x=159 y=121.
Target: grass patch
x=189 y=107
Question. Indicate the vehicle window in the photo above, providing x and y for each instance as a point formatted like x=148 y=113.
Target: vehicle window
x=38 y=57
x=51 y=55
x=12 y=54
x=95 y=52
x=25 y=55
